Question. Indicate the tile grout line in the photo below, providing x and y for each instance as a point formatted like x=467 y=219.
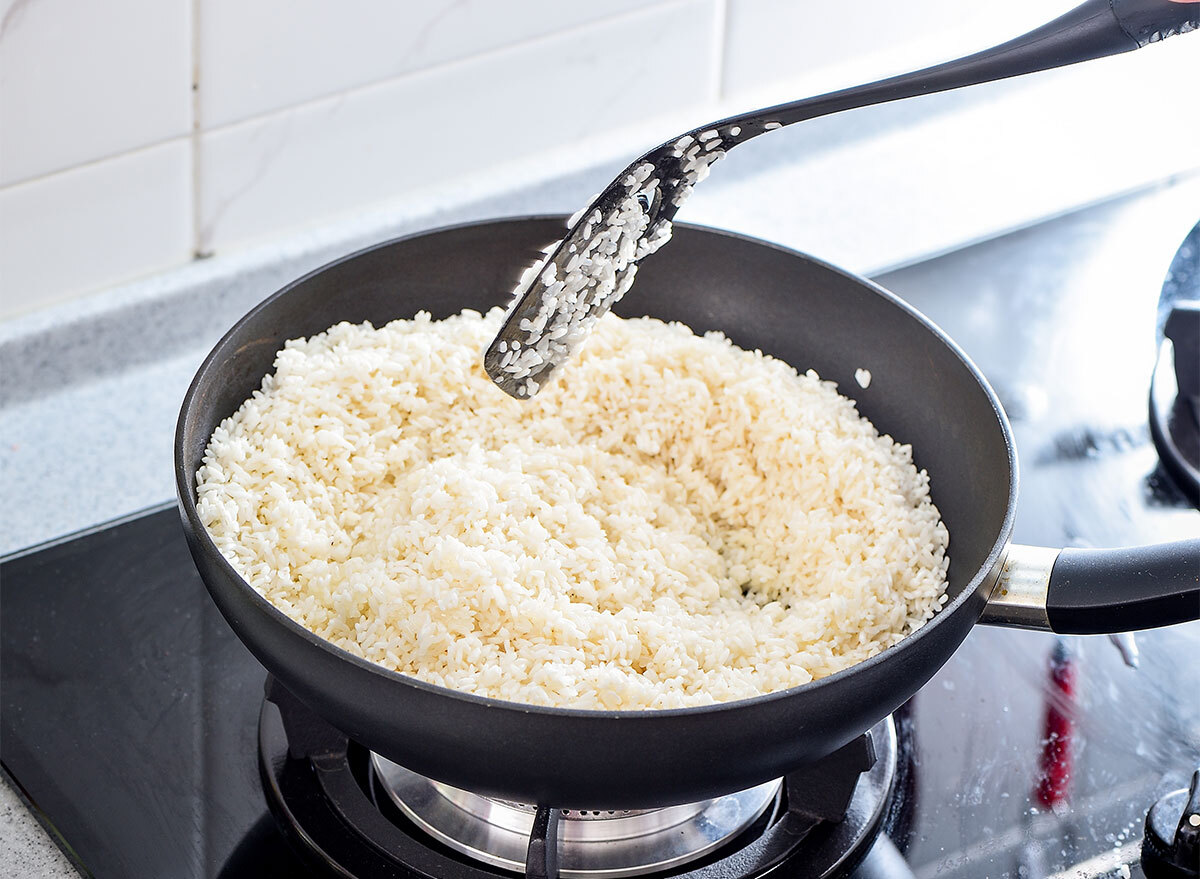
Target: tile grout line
x=720 y=49
x=197 y=128
x=99 y=160
x=196 y=141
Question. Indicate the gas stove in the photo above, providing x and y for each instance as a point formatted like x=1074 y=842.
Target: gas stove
x=151 y=743
x=821 y=820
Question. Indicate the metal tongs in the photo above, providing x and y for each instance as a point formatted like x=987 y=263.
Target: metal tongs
x=559 y=299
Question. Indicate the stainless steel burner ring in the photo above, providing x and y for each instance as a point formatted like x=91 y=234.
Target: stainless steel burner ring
x=592 y=843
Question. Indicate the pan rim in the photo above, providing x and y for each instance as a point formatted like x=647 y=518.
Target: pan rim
x=185 y=495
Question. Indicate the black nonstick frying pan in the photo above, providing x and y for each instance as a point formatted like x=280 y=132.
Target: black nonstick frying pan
x=924 y=391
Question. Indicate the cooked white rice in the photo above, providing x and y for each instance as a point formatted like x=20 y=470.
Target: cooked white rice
x=675 y=522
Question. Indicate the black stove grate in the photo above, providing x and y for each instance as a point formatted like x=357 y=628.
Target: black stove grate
x=329 y=804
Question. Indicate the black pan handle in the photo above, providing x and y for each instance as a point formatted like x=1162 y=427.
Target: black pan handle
x=1096 y=591
x=1119 y=590
x=1094 y=29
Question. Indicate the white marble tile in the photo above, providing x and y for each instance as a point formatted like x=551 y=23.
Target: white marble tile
x=95 y=225
x=439 y=128
x=270 y=54
x=793 y=48
x=1032 y=150
x=82 y=81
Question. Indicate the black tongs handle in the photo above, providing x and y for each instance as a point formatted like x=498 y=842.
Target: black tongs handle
x=1148 y=21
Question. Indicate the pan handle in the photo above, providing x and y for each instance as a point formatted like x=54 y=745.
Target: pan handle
x=1094 y=591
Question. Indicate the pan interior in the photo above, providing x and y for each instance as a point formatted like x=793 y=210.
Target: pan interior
x=922 y=391
x=800 y=310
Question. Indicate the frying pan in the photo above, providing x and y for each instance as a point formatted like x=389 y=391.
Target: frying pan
x=924 y=392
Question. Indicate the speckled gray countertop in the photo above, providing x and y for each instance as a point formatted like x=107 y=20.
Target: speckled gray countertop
x=91 y=389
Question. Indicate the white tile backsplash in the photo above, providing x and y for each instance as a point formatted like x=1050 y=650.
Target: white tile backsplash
x=305 y=110
x=82 y=81
x=795 y=48
x=105 y=222
x=435 y=127
x=1001 y=164
x=265 y=55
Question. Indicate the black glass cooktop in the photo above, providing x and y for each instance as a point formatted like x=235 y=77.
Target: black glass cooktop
x=128 y=709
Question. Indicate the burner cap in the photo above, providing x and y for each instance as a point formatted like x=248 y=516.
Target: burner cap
x=609 y=843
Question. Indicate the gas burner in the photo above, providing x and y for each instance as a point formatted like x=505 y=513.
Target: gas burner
x=356 y=813
x=595 y=842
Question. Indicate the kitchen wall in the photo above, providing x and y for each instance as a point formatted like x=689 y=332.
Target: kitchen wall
x=137 y=135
